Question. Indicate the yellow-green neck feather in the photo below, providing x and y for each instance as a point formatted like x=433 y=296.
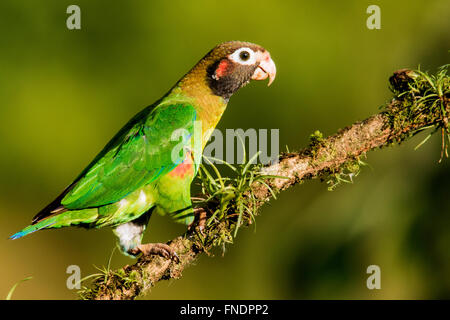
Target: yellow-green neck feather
x=194 y=87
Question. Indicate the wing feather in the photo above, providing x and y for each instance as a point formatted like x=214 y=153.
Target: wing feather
x=140 y=153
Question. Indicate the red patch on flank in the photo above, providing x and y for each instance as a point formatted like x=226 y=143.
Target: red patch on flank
x=184 y=168
x=222 y=68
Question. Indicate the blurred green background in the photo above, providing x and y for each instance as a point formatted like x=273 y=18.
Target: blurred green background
x=63 y=94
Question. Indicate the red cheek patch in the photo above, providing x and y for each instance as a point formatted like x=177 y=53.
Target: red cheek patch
x=222 y=68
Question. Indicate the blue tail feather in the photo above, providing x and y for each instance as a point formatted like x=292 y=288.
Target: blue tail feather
x=31 y=228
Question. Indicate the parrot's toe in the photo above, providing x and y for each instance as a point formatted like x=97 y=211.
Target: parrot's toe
x=200 y=219
x=160 y=249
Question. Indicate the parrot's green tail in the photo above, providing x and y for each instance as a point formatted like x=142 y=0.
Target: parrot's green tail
x=32 y=228
x=65 y=219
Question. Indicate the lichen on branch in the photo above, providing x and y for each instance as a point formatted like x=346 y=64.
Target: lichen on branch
x=420 y=102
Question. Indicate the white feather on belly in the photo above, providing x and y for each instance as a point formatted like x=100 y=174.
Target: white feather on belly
x=129 y=234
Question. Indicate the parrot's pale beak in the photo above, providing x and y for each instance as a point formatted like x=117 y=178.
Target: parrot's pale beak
x=266 y=68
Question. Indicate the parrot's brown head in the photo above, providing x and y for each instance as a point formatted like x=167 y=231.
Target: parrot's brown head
x=230 y=66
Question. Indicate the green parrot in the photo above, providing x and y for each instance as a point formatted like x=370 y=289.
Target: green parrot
x=143 y=169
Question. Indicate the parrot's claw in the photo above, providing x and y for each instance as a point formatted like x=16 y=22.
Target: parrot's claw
x=200 y=215
x=160 y=249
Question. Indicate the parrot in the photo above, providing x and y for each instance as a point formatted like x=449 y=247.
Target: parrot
x=139 y=172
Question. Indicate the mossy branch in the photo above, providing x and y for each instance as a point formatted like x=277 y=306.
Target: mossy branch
x=420 y=102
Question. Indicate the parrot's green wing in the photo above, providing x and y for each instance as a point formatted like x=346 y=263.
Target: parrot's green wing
x=140 y=153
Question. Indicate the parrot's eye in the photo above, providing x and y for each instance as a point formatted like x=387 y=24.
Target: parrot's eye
x=244 y=56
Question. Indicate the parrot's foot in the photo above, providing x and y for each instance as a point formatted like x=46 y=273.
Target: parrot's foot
x=160 y=249
x=200 y=219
